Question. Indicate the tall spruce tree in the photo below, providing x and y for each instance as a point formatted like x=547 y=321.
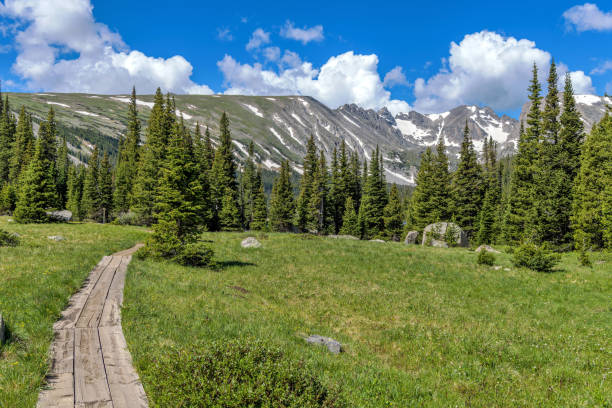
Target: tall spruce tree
x=204 y=165
x=127 y=161
x=34 y=191
x=319 y=215
x=23 y=146
x=393 y=215
x=310 y=169
x=441 y=197
x=373 y=200
x=422 y=208
x=90 y=197
x=468 y=187
x=260 y=209
x=75 y=191
x=282 y=206
x=591 y=207
x=150 y=160
x=7 y=140
x=248 y=187
x=223 y=177
x=519 y=210
x=350 y=220
x=105 y=188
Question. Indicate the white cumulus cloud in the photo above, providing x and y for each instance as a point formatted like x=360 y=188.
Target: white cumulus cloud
x=259 y=38
x=345 y=78
x=602 y=68
x=395 y=77
x=588 y=17
x=62 y=48
x=486 y=68
x=304 y=35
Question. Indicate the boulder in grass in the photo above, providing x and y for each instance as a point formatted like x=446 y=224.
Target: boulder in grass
x=56 y=238
x=444 y=234
x=332 y=345
x=250 y=242
x=487 y=248
x=411 y=237
x=377 y=240
x=60 y=216
x=343 y=237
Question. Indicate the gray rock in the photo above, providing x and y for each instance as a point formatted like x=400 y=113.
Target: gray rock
x=497 y=267
x=332 y=345
x=411 y=237
x=343 y=237
x=56 y=238
x=10 y=220
x=60 y=216
x=487 y=248
x=2 y=330
x=377 y=240
x=436 y=235
x=250 y=242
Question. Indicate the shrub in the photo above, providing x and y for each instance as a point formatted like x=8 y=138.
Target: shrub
x=236 y=374
x=535 y=257
x=584 y=259
x=128 y=218
x=451 y=235
x=486 y=258
x=196 y=254
x=8 y=239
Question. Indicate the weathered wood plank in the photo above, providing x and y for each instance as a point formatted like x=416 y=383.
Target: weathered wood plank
x=125 y=386
x=111 y=313
x=89 y=375
x=92 y=311
x=71 y=314
x=59 y=392
x=62 y=352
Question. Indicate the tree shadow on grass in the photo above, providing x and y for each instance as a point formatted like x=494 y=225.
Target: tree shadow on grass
x=221 y=265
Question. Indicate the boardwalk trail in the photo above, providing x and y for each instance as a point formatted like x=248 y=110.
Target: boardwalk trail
x=90 y=362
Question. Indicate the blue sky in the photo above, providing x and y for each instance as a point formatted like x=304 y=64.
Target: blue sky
x=434 y=56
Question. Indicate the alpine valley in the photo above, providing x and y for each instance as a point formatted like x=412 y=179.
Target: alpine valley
x=281 y=125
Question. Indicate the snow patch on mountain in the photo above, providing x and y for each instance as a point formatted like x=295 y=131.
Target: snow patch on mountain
x=253 y=109
x=138 y=101
x=278 y=136
x=588 y=99
x=63 y=105
x=87 y=113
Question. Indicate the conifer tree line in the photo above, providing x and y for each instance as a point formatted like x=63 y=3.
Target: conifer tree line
x=555 y=189
x=558 y=191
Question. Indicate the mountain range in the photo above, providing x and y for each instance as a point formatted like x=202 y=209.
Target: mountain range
x=281 y=125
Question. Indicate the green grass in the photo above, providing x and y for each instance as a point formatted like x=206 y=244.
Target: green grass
x=37 y=279
x=421 y=326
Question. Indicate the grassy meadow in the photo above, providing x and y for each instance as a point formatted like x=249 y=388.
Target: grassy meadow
x=37 y=279
x=422 y=327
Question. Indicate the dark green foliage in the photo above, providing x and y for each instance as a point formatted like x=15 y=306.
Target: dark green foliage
x=249 y=187
x=7 y=140
x=75 y=191
x=237 y=374
x=23 y=147
x=490 y=216
x=8 y=199
x=282 y=207
x=223 y=178
x=350 y=221
x=303 y=201
x=584 y=259
x=591 y=217
x=468 y=187
x=105 y=188
x=63 y=166
x=422 y=209
x=319 y=208
x=260 y=208
x=90 y=196
x=34 y=192
x=393 y=216
x=8 y=239
x=373 y=200
x=229 y=214
x=197 y=254
x=440 y=198
x=537 y=258
x=485 y=258
x=127 y=161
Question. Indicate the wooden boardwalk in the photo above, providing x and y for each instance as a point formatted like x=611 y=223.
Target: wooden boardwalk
x=90 y=362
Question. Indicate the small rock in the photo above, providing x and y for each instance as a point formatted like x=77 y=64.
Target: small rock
x=487 y=248
x=343 y=237
x=2 y=330
x=411 y=237
x=600 y=262
x=250 y=242
x=497 y=267
x=437 y=232
x=438 y=244
x=60 y=216
x=332 y=345
x=10 y=220
x=56 y=238
x=377 y=240
x=506 y=269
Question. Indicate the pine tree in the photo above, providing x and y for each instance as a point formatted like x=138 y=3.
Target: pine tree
x=336 y=192
x=150 y=158
x=468 y=188
x=176 y=203
x=8 y=199
x=373 y=201
x=441 y=197
x=590 y=219
x=422 y=209
x=310 y=170
x=7 y=139
x=489 y=225
x=90 y=197
x=105 y=188
x=209 y=150
x=248 y=186
x=34 y=191
x=282 y=206
x=355 y=180
x=318 y=206
x=203 y=173
x=127 y=161
x=393 y=215
x=223 y=174
x=519 y=211
x=350 y=220
x=260 y=209
x=23 y=146
x=75 y=191
x=63 y=166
